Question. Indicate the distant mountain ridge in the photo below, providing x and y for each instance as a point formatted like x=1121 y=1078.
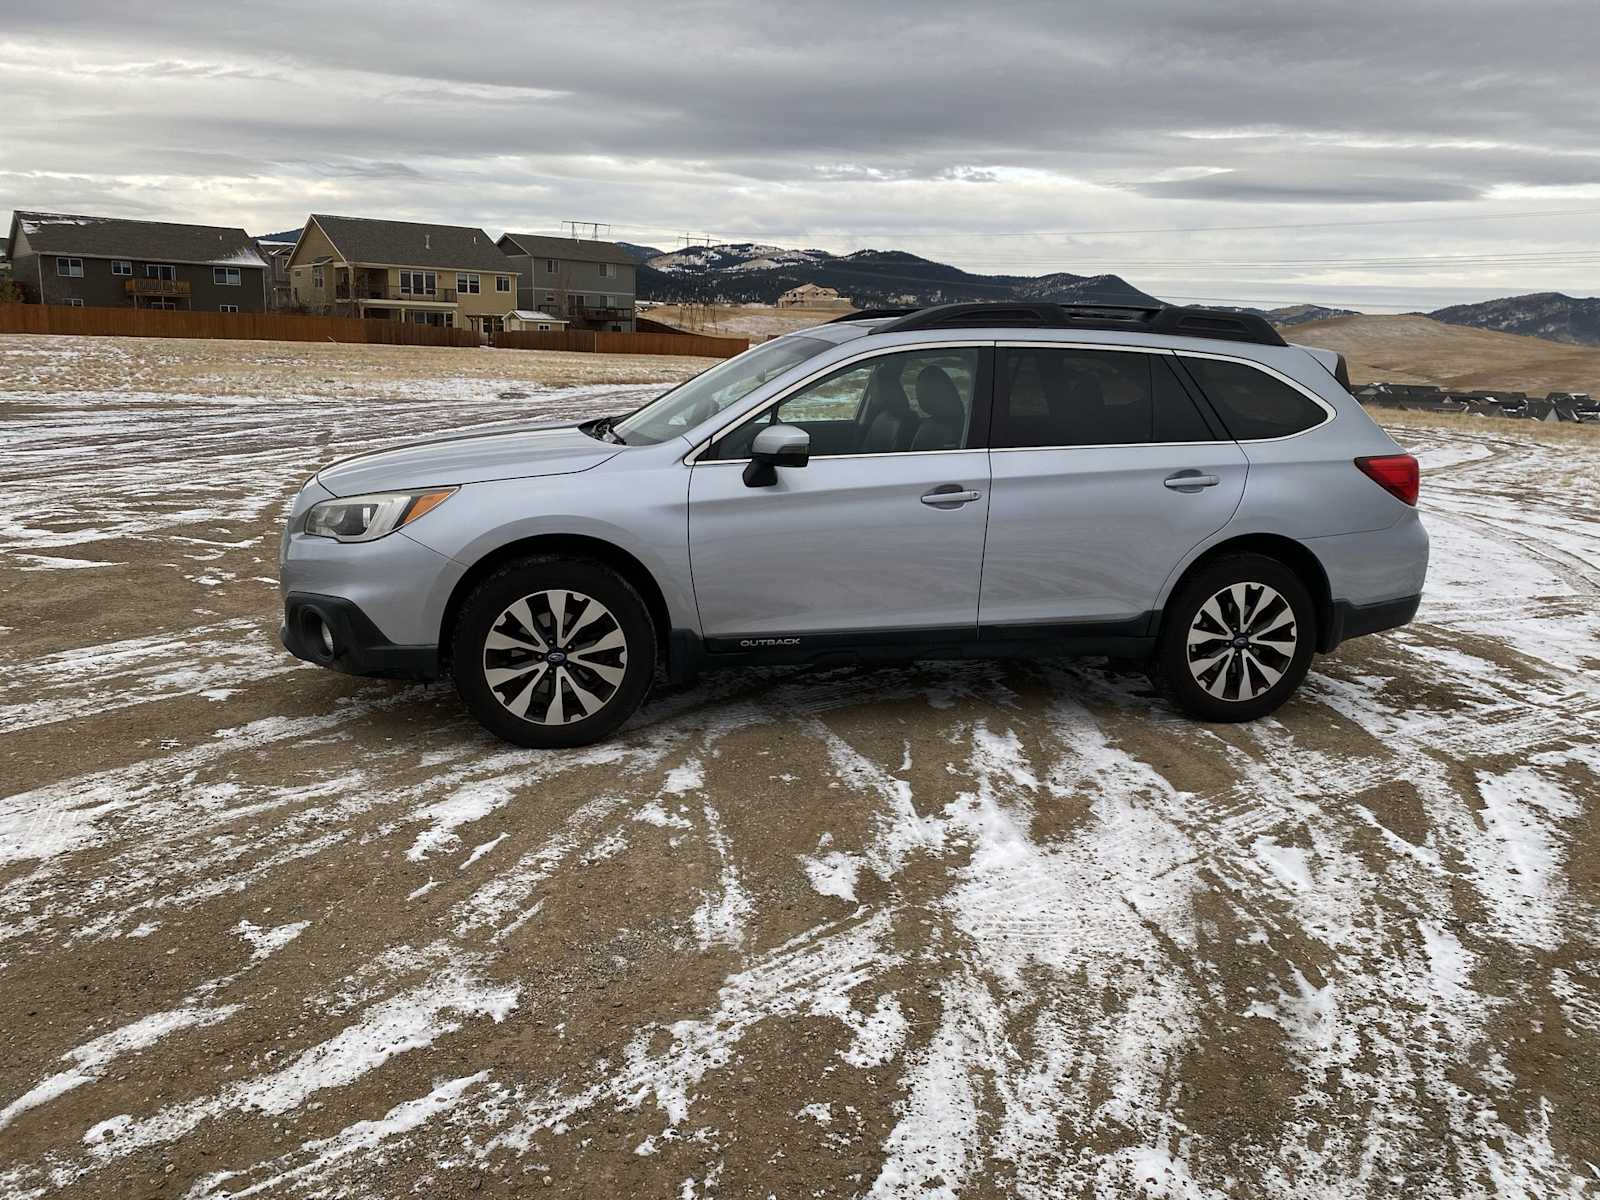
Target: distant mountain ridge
x=1554 y=316
x=755 y=273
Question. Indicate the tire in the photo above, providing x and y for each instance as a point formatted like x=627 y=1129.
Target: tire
x=538 y=684
x=1220 y=677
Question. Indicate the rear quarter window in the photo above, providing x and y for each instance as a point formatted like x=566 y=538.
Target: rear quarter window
x=1252 y=404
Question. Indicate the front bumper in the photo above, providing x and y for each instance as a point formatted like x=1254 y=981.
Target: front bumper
x=333 y=632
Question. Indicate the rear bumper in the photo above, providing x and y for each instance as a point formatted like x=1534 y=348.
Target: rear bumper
x=359 y=647
x=1354 y=620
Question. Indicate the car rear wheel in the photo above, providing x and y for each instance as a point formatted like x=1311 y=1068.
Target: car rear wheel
x=1237 y=639
x=553 y=652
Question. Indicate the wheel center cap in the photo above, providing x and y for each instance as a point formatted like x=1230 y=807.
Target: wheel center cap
x=556 y=657
x=1240 y=642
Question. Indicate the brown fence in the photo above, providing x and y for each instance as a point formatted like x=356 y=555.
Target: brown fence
x=268 y=327
x=597 y=342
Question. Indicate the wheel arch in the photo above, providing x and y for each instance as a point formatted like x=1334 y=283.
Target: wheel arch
x=1297 y=556
x=571 y=545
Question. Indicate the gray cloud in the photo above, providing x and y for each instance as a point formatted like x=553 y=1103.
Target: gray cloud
x=841 y=124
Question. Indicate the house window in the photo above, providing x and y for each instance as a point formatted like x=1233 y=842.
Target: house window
x=227 y=308
x=161 y=271
x=316 y=277
x=225 y=276
x=72 y=268
x=502 y=283
x=120 y=267
x=74 y=303
x=608 y=270
x=550 y=266
x=544 y=327
x=467 y=285
x=418 y=283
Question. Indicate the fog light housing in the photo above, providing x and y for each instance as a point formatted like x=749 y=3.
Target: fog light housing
x=327 y=638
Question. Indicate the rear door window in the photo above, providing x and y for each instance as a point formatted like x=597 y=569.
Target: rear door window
x=1053 y=396
x=1252 y=404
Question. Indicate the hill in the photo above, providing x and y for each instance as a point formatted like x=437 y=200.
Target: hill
x=1552 y=315
x=1418 y=349
x=754 y=273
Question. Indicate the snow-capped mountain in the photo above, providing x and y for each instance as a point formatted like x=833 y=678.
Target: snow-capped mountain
x=1552 y=315
x=754 y=273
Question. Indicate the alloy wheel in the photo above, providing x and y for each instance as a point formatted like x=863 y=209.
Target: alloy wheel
x=555 y=657
x=1241 y=641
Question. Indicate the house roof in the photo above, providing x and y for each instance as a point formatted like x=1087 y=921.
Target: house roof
x=412 y=244
x=528 y=314
x=570 y=249
x=157 y=241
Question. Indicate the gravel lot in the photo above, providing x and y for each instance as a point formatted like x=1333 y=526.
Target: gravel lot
x=954 y=929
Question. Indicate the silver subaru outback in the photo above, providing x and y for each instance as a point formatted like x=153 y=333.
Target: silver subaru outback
x=1170 y=485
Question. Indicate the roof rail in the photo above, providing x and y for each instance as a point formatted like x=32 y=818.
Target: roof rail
x=1183 y=322
x=871 y=314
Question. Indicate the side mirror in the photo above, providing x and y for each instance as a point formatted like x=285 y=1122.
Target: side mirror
x=776 y=446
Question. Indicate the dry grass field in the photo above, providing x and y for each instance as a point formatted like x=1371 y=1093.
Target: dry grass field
x=925 y=931
x=1419 y=350
x=755 y=321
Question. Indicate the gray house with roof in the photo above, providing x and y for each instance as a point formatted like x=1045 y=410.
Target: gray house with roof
x=591 y=284
x=449 y=275
x=109 y=262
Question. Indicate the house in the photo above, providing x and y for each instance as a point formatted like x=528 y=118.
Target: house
x=449 y=275
x=812 y=295
x=275 y=249
x=108 y=262
x=591 y=284
x=5 y=259
x=533 y=321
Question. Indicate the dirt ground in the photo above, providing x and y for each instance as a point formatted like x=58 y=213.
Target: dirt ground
x=950 y=929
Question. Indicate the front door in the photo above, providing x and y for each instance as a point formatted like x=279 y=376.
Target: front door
x=1106 y=474
x=878 y=538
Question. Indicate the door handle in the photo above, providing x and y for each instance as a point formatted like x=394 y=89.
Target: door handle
x=950 y=495
x=1190 y=481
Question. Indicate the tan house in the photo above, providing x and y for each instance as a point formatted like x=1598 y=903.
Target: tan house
x=450 y=275
x=812 y=295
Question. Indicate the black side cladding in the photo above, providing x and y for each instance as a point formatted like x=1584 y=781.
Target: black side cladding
x=1181 y=322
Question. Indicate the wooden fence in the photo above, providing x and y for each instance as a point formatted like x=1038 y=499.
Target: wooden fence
x=267 y=327
x=597 y=342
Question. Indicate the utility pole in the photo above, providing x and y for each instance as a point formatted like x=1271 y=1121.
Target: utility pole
x=593 y=228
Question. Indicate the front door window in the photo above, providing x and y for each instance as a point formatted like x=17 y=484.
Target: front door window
x=918 y=401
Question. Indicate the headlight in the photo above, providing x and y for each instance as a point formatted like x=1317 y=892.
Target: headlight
x=364 y=518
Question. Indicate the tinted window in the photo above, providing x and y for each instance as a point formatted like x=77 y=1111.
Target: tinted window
x=1056 y=397
x=896 y=403
x=1251 y=403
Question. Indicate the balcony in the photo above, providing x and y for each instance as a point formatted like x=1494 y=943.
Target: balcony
x=156 y=287
x=393 y=295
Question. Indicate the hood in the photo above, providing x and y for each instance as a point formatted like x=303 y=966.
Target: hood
x=515 y=453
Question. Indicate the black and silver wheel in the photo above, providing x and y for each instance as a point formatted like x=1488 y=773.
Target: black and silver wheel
x=553 y=652
x=1237 y=640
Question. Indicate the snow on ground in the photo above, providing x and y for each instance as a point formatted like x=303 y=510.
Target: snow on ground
x=936 y=930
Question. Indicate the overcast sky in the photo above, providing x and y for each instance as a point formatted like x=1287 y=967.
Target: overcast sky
x=1205 y=150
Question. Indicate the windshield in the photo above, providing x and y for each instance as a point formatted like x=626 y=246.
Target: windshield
x=708 y=393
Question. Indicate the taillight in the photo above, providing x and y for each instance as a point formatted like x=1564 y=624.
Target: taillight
x=1396 y=474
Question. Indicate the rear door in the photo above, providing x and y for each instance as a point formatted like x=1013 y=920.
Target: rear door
x=879 y=537
x=1106 y=473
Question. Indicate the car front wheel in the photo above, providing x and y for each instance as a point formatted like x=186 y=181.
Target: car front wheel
x=552 y=652
x=1237 y=639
